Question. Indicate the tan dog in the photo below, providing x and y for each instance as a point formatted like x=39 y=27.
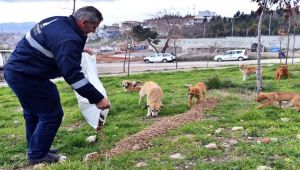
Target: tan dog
x=279 y=97
x=282 y=71
x=154 y=97
x=198 y=91
x=132 y=85
x=248 y=70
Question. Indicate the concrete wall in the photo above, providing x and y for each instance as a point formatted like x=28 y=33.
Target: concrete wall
x=231 y=42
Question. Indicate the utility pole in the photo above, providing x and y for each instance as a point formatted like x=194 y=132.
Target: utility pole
x=270 y=22
x=73 y=6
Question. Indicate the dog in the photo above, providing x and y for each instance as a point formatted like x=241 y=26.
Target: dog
x=271 y=97
x=154 y=95
x=198 y=91
x=248 y=70
x=134 y=86
x=282 y=70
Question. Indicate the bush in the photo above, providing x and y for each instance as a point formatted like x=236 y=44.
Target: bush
x=216 y=83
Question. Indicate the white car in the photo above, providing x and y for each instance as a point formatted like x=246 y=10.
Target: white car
x=160 y=57
x=239 y=55
x=4 y=55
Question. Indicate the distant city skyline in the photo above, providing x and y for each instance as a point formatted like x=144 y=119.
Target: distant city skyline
x=116 y=11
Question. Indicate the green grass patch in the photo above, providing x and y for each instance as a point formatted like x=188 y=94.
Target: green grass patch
x=236 y=108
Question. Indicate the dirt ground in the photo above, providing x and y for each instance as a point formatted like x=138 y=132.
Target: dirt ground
x=141 y=140
x=110 y=58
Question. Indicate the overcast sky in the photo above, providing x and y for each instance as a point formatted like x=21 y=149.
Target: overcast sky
x=115 y=11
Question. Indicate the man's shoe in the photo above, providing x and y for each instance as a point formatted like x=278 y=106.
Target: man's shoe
x=49 y=158
x=53 y=150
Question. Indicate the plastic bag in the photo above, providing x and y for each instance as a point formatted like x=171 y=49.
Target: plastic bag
x=90 y=112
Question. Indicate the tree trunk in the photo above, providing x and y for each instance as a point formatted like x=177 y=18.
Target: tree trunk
x=124 y=64
x=258 y=70
x=288 y=41
x=164 y=49
x=293 y=49
x=270 y=23
x=74 y=6
x=149 y=41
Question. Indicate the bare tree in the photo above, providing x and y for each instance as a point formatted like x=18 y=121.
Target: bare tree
x=265 y=6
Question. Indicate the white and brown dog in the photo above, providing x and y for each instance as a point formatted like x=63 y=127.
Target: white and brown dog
x=248 y=70
x=132 y=85
x=154 y=97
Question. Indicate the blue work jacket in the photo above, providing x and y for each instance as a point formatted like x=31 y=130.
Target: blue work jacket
x=51 y=49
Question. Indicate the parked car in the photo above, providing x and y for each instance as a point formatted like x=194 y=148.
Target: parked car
x=4 y=55
x=239 y=55
x=160 y=57
x=254 y=47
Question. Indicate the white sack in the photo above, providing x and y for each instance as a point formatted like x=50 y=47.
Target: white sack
x=90 y=112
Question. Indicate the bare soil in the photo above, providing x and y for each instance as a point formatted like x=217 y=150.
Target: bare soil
x=141 y=140
x=110 y=58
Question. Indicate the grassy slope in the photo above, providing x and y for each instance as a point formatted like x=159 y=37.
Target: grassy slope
x=126 y=117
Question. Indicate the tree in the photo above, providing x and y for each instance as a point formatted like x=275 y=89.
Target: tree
x=265 y=6
x=145 y=34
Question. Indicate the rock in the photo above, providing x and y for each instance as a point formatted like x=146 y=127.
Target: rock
x=39 y=166
x=266 y=140
x=263 y=168
x=136 y=147
x=284 y=119
x=91 y=139
x=141 y=164
x=232 y=142
x=219 y=130
x=211 y=146
x=225 y=145
x=176 y=156
x=237 y=128
x=91 y=156
x=16 y=122
x=274 y=139
x=250 y=138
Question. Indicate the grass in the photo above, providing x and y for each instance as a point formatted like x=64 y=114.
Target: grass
x=236 y=107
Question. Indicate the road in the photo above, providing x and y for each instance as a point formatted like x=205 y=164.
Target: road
x=136 y=67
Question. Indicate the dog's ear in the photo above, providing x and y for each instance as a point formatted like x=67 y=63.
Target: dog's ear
x=134 y=83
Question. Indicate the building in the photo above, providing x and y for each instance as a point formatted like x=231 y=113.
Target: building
x=202 y=15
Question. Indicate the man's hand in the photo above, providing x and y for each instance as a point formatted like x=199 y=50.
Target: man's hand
x=88 y=50
x=103 y=104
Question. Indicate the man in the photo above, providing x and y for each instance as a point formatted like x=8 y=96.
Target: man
x=52 y=48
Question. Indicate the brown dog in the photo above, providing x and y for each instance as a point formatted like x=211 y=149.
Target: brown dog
x=248 y=70
x=279 y=97
x=198 y=91
x=132 y=85
x=154 y=97
x=282 y=71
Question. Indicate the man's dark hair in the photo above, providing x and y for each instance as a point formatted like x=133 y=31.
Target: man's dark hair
x=88 y=13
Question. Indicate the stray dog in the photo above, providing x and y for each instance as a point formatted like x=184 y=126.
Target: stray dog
x=248 y=70
x=279 y=97
x=198 y=91
x=154 y=97
x=282 y=71
x=132 y=85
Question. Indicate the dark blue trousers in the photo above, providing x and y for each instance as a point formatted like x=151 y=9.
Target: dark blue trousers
x=42 y=111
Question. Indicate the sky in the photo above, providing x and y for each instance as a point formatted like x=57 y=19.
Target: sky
x=116 y=11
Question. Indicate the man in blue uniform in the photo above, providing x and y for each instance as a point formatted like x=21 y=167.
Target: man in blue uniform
x=52 y=48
